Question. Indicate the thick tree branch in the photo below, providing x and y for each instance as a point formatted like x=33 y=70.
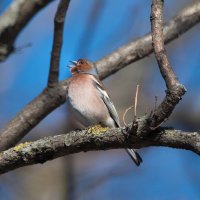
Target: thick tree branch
x=49 y=99
x=17 y=128
x=32 y=114
x=142 y=47
x=50 y=148
x=57 y=42
x=14 y=20
x=174 y=89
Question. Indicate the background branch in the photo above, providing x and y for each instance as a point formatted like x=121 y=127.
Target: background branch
x=50 y=148
x=142 y=47
x=14 y=20
x=30 y=116
x=49 y=99
x=57 y=42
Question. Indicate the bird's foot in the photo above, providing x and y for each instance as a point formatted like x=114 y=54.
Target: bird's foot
x=125 y=131
x=97 y=129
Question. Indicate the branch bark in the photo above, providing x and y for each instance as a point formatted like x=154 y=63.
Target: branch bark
x=49 y=99
x=50 y=148
x=30 y=116
x=14 y=20
x=175 y=90
x=57 y=42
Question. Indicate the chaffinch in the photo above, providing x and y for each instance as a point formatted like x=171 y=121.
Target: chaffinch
x=90 y=102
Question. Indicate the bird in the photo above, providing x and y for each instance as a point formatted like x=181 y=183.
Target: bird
x=89 y=101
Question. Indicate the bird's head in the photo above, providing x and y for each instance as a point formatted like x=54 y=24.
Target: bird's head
x=82 y=66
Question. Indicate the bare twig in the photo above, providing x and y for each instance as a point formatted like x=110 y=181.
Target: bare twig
x=129 y=108
x=136 y=102
x=158 y=44
x=57 y=42
x=174 y=89
x=50 y=148
x=13 y=21
x=124 y=115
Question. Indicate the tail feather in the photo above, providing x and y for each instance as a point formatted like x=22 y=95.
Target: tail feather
x=134 y=156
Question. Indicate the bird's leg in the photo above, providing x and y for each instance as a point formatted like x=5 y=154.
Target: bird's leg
x=97 y=129
x=125 y=131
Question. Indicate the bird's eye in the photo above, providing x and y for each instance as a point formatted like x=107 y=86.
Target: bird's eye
x=81 y=62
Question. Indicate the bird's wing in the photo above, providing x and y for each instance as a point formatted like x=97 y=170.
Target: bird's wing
x=113 y=113
x=106 y=99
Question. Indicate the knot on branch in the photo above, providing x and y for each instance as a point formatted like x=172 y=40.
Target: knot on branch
x=175 y=94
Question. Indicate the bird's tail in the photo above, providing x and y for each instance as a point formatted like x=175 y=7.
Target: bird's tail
x=134 y=156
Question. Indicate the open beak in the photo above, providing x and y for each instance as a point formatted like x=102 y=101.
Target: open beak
x=73 y=62
x=70 y=66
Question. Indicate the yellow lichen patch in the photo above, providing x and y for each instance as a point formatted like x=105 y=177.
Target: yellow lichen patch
x=97 y=129
x=21 y=145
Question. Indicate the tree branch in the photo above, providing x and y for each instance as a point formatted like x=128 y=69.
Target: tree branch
x=142 y=47
x=18 y=127
x=32 y=114
x=48 y=100
x=136 y=135
x=50 y=148
x=14 y=20
x=174 y=89
x=57 y=42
